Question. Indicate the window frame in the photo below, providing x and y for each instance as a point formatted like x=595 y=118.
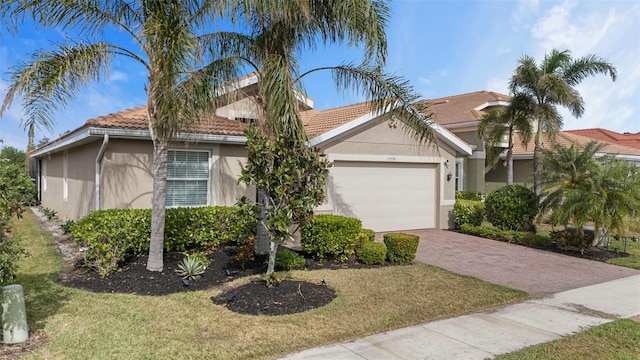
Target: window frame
x=459 y=175
x=193 y=179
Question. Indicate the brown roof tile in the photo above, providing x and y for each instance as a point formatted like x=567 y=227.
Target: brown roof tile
x=317 y=122
x=566 y=138
x=632 y=140
x=461 y=108
x=136 y=118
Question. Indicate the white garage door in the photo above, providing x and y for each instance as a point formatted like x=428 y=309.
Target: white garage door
x=386 y=196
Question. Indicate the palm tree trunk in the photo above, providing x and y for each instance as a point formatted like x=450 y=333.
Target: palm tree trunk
x=156 y=247
x=537 y=159
x=510 y=166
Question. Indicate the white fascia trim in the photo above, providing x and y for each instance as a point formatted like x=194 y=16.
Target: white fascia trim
x=133 y=134
x=343 y=128
x=492 y=103
x=620 y=156
x=451 y=139
x=72 y=138
x=447 y=136
x=384 y=158
x=461 y=125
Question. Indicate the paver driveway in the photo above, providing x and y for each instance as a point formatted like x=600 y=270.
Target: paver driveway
x=534 y=271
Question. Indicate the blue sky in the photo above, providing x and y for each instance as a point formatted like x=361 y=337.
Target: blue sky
x=443 y=47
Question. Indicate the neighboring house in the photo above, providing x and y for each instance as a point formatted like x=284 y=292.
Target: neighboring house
x=523 y=157
x=626 y=139
x=460 y=114
x=380 y=174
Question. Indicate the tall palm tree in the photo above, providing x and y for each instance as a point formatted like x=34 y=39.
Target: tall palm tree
x=511 y=119
x=279 y=30
x=167 y=37
x=552 y=83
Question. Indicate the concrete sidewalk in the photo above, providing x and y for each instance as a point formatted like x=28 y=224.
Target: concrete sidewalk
x=488 y=333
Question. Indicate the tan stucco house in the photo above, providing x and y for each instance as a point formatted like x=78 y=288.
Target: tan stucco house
x=380 y=174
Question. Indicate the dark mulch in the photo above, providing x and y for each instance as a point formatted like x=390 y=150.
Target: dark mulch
x=592 y=253
x=134 y=278
x=287 y=297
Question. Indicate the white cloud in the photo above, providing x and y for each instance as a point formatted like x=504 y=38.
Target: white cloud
x=118 y=76
x=424 y=80
x=522 y=13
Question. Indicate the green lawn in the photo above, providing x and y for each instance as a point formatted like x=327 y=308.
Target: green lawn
x=616 y=340
x=85 y=325
x=633 y=248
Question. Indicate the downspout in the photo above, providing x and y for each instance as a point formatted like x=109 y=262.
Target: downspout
x=103 y=148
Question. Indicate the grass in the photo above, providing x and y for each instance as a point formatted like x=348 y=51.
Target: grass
x=616 y=340
x=82 y=325
x=633 y=248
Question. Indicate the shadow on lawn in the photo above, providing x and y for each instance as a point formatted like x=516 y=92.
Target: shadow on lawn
x=43 y=297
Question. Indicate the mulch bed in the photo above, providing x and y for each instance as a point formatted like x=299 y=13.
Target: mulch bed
x=287 y=297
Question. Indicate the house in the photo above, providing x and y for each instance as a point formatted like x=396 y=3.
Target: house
x=379 y=175
x=523 y=157
x=626 y=139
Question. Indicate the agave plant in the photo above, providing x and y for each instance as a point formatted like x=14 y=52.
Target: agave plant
x=190 y=268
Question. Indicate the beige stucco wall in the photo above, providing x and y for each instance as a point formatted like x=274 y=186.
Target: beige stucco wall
x=377 y=138
x=522 y=174
x=243 y=108
x=80 y=182
x=127 y=179
x=232 y=158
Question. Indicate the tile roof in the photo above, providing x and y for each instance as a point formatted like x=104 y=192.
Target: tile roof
x=136 y=118
x=317 y=122
x=461 y=108
x=566 y=138
x=446 y=110
x=632 y=140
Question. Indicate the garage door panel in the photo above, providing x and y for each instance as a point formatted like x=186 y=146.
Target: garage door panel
x=385 y=196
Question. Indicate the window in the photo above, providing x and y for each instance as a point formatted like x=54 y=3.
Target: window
x=459 y=183
x=187 y=178
x=65 y=176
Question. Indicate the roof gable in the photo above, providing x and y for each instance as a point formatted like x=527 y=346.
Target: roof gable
x=464 y=108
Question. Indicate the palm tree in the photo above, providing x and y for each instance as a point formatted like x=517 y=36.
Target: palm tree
x=570 y=183
x=511 y=119
x=271 y=48
x=166 y=37
x=552 y=83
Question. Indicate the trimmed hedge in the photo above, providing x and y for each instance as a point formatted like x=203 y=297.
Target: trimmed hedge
x=510 y=236
x=401 y=248
x=330 y=236
x=287 y=259
x=365 y=236
x=512 y=207
x=372 y=253
x=114 y=235
x=468 y=212
x=469 y=195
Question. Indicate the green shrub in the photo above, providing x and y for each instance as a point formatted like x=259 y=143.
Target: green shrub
x=511 y=207
x=365 y=236
x=469 y=195
x=401 y=248
x=287 y=259
x=372 y=253
x=468 y=212
x=570 y=239
x=116 y=234
x=207 y=227
x=330 y=236
x=511 y=236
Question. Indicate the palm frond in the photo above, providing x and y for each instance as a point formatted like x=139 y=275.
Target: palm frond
x=589 y=65
x=51 y=78
x=386 y=93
